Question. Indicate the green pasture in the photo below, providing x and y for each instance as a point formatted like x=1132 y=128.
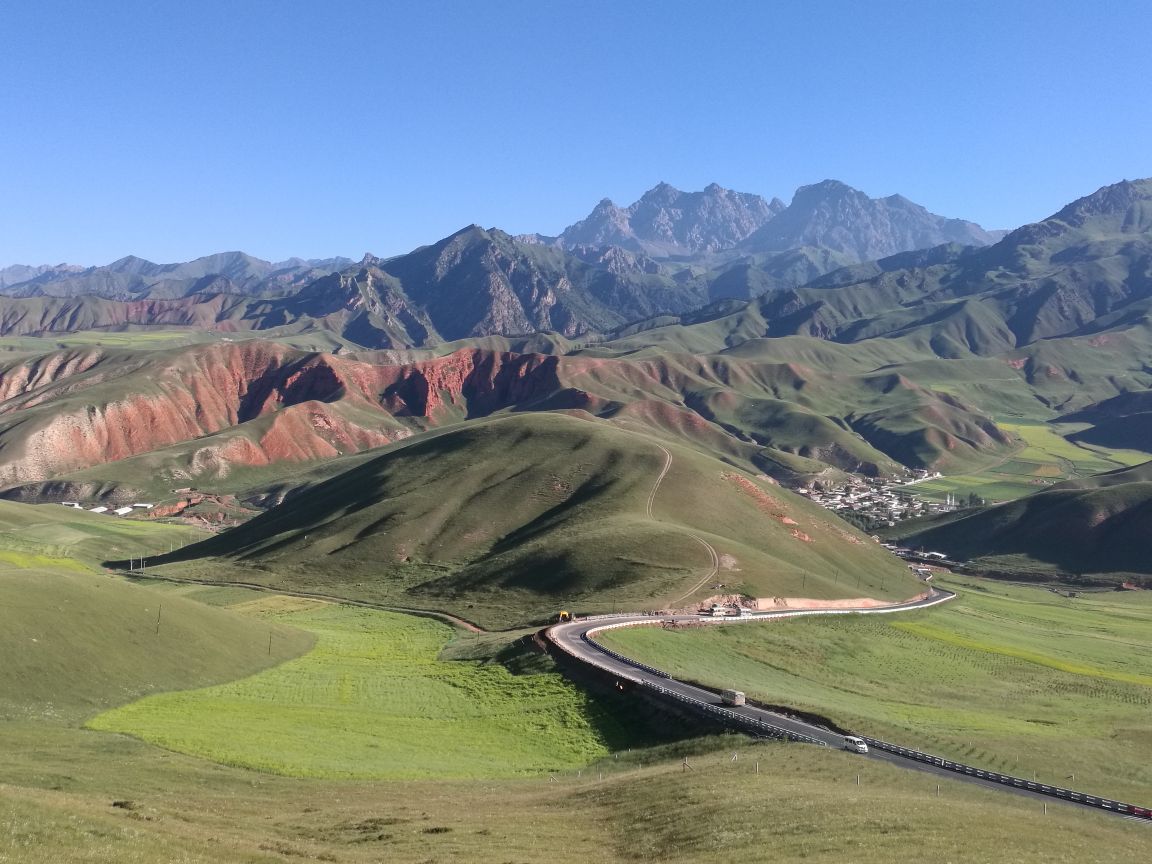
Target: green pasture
x=1045 y=457
x=139 y=339
x=1012 y=679
x=39 y=535
x=791 y=802
x=372 y=700
x=72 y=794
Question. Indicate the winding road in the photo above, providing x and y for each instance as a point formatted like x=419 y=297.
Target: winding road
x=577 y=638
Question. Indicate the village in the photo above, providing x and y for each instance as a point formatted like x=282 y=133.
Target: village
x=117 y=511
x=876 y=502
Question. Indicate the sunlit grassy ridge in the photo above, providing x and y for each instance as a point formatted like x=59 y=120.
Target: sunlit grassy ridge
x=508 y=520
x=1012 y=679
x=49 y=531
x=74 y=642
x=372 y=700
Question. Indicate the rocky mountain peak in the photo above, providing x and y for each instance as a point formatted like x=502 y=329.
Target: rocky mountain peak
x=835 y=216
x=1115 y=200
x=666 y=221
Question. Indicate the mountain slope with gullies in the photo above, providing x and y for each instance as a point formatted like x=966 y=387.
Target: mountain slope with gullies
x=212 y=414
x=506 y=520
x=1067 y=302
x=1095 y=525
x=1083 y=270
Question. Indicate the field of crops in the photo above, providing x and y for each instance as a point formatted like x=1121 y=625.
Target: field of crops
x=1012 y=679
x=372 y=701
x=1046 y=457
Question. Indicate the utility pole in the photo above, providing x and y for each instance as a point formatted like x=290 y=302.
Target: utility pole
x=159 y=612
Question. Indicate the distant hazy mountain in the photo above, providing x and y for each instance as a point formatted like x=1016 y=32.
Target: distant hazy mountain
x=137 y=278
x=17 y=273
x=831 y=215
x=667 y=222
x=1081 y=272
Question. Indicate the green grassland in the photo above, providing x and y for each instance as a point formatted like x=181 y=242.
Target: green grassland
x=1044 y=458
x=59 y=782
x=151 y=338
x=1094 y=527
x=74 y=642
x=142 y=339
x=371 y=700
x=1008 y=678
x=789 y=802
x=31 y=534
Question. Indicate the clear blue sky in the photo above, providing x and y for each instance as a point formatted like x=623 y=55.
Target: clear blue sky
x=171 y=130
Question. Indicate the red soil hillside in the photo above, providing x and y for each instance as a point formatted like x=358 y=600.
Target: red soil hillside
x=72 y=410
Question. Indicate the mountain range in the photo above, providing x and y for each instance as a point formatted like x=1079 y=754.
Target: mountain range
x=257 y=380
x=670 y=252
x=668 y=223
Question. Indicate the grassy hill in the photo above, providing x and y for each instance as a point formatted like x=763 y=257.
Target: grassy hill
x=510 y=519
x=49 y=531
x=1097 y=525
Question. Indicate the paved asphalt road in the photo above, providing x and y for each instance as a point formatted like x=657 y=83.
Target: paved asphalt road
x=575 y=637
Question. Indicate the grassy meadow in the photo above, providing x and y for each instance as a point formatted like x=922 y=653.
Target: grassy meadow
x=485 y=766
x=791 y=802
x=1044 y=458
x=449 y=522
x=43 y=534
x=1013 y=679
x=372 y=700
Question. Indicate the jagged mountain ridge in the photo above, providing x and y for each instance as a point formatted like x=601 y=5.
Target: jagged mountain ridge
x=1083 y=272
x=1078 y=270
x=668 y=223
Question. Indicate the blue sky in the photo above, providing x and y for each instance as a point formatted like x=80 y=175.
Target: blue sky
x=171 y=130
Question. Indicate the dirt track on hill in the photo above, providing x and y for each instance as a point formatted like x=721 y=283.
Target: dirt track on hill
x=708 y=547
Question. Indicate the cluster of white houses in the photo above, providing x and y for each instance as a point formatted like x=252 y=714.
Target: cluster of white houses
x=118 y=511
x=883 y=502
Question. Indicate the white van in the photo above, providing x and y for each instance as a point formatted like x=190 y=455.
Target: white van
x=856 y=745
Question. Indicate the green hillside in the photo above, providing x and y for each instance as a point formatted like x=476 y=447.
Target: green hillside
x=507 y=520
x=1098 y=526
x=50 y=531
x=373 y=700
x=77 y=642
